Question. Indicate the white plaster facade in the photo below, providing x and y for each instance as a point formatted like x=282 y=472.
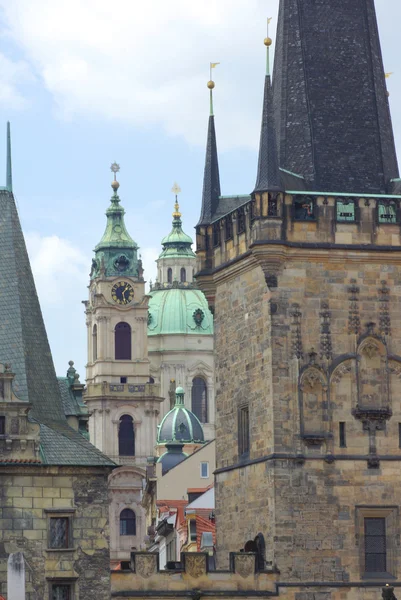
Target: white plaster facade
x=116 y=388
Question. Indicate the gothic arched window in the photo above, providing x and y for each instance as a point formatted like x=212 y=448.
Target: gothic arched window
x=127 y=522
x=169 y=275
x=94 y=342
x=122 y=341
x=199 y=399
x=126 y=436
x=183 y=275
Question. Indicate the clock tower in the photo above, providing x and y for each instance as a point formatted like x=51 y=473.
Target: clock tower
x=123 y=401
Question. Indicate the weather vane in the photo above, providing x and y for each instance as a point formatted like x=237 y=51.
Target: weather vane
x=176 y=190
x=115 y=168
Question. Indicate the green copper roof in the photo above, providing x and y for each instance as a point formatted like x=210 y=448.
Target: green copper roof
x=179 y=311
x=177 y=244
x=180 y=424
x=116 y=253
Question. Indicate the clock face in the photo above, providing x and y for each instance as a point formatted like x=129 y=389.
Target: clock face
x=122 y=292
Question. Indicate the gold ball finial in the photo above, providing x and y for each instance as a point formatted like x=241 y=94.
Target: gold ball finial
x=268 y=41
x=210 y=85
x=115 y=185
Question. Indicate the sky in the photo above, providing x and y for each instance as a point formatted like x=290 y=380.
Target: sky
x=89 y=82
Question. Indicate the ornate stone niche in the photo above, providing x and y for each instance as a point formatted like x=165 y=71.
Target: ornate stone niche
x=313 y=389
x=373 y=376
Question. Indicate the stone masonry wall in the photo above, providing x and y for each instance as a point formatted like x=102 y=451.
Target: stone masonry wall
x=28 y=495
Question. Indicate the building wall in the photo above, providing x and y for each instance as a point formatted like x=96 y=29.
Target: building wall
x=175 y=483
x=29 y=495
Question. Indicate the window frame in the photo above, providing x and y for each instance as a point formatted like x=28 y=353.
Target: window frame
x=94 y=343
x=63 y=513
x=244 y=441
x=134 y=519
x=132 y=422
x=391 y=516
x=305 y=200
x=342 y=434
x=207 y=469
x=170 y=275
x=126 y=331
x=345 y=202
x=68 y=582
x=2 y=425
x=385 y=202
x=203 y=406
x=192 y=532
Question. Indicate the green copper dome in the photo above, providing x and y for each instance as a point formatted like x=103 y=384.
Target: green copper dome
x=179 y=310
x=177 y=244
x=180 y=424
x=116 y=253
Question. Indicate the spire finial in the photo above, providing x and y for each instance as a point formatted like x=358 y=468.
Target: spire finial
x=9 y=173
x=176 y=190
x=115 y=168
x=268 y=42
x=210 y=85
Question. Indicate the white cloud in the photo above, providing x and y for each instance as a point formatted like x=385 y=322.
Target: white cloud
x=13 y=76
x=147 y=62
x=60 y=269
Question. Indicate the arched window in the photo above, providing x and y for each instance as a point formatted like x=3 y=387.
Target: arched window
x=94 y=342
x=127 y=522
x=122 y=341
x=170 y=275
x=126 y=436
x=183 y=275
x=199 y=399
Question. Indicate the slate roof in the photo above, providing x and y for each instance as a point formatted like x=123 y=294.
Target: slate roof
x=70 y=404
x=24 y=344
x=330 y=99
x=268 y=176
x=211 y=178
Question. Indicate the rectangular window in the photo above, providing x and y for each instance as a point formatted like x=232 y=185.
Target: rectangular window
x=229 y=228
x=123 y=380
x=59 y=533
x=2 y=425
x=61 y=591
x=240 y=221
x=343 y=440
x=375 y=545
x=399 y=435
x=304 y=209
x=204 y=468
x=345 y=211
x=243 y=431
x=192 y=530
x=387 y=211
x=216 y=234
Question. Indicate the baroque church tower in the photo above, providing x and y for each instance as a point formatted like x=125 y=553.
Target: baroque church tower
x=123 y=402
x=304 y=277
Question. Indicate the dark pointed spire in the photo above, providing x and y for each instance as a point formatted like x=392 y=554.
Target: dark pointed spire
x=330 y=100
x=268 y=177
x=9 y=173
x=211 y=178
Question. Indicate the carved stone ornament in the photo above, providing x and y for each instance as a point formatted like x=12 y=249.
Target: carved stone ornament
x=296 y=332
x=343 y=369
x=370 y=349
x=198 y=316
x=195 y=564
x=354 y=321
x=245 y=564
x=145 y=565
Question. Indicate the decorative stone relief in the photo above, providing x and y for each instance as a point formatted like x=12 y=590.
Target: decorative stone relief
x=384 y=308
x=245 y=564
x=326 y=349
x=354 y=321
x=145 y=564
x=195 y=564
x=296 y=333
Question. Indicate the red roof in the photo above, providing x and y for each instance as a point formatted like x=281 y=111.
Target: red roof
x=202 y=526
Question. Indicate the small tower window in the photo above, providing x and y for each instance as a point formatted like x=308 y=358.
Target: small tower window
x=94 y=342
x=127 y=522
x=169 y=275
x=183 y=275
x=122 y=340
x=126 y=436
x=199 y=399
x=304 y=209
x=387 y=211
x=345 y=211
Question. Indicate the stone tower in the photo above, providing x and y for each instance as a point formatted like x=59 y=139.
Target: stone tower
x=304 y=277
x=180 y=328
x=123 y=403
